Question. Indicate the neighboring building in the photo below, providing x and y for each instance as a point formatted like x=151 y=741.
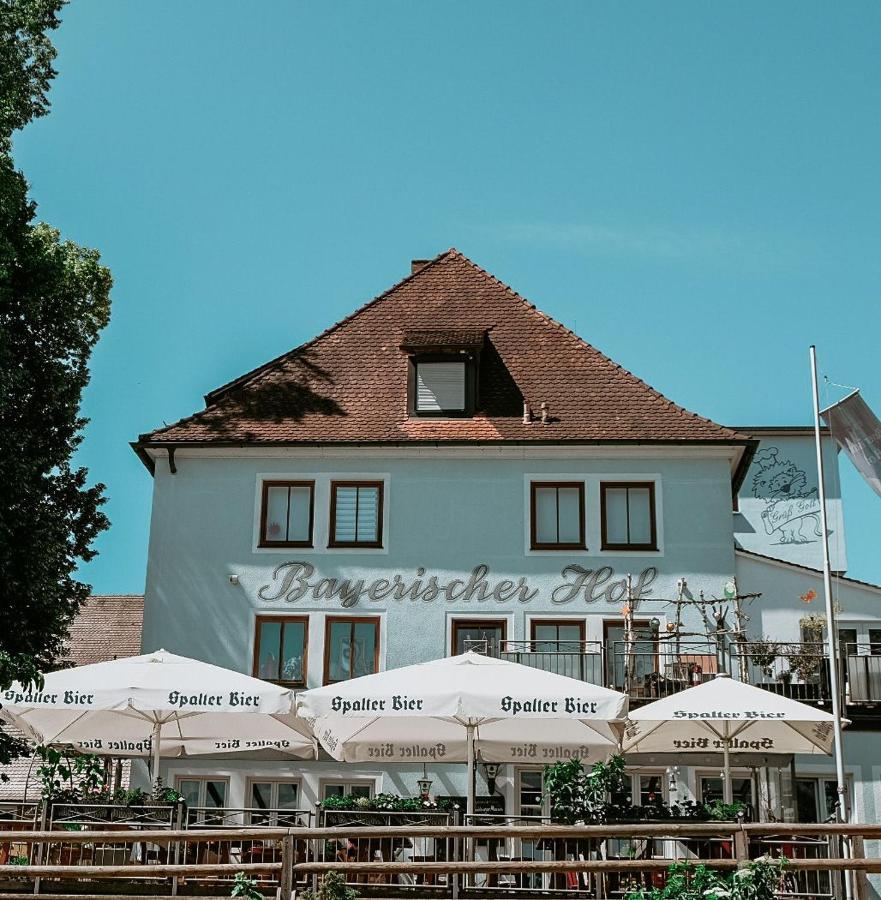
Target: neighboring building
x=449 y=467
x=107 y=627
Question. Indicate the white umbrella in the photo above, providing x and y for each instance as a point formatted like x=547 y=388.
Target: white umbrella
x=725 y=715
x=448 y=709
x=157 y=705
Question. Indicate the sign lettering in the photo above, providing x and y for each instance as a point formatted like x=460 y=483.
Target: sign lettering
x=295 y=581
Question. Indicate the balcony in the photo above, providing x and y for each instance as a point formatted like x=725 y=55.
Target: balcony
x=647 y=669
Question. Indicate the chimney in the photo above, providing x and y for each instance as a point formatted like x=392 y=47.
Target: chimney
x=527 y=413
x=544 y=413
x=417 y=264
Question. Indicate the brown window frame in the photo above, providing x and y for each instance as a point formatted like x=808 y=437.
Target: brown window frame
x=471 y=363
x=534 y=544
x=352 y=620
x=653 y=515
x=582 y=628
x=263 y=542
x=380 y=523
x=283 y=620
x=471 y=623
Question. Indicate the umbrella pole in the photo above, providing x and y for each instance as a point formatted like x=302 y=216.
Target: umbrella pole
x=727 y=796
x=469 y=807
x=157 y=734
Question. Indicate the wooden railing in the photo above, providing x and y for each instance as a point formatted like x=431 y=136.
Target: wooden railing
x=573 y=859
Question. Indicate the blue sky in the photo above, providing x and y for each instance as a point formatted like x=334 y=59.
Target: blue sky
x=693 y=187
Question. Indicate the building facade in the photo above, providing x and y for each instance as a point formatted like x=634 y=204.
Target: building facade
x=449 y=468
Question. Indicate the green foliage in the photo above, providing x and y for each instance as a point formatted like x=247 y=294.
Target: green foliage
x=580 y=796
x=331 y=887
x=54 y=301
x=246 y=887
x=758 y=880
x=383 y=803
x=26 y=57
x=64 y=778
x=718 y=811
x=19 y=861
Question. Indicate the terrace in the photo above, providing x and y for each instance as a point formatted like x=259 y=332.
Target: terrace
x=649 y=668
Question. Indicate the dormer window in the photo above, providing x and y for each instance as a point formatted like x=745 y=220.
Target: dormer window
x=443 y=371
x=440 y=387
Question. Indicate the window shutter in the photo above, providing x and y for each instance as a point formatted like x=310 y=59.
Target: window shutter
x=368 y=509
x=440 y=386
x=346 y=528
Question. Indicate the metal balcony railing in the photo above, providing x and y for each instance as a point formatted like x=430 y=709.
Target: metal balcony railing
x=576 y=659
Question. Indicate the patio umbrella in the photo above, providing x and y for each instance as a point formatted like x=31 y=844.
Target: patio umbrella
x=726 y=715
x=452 y=708
x=158 y=704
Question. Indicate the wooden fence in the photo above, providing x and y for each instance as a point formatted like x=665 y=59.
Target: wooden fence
x=119 y=862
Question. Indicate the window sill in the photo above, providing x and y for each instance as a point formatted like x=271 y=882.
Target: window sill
x=285 y=545
x=558 y=548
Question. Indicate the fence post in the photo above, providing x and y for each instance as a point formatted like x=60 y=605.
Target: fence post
x=318 y=844
x=286 y=879
x=860 y=877
x=40 y=847
x=741 y=847
x=176 y=818
x=454 y=876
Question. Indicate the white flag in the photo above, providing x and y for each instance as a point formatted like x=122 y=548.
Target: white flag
x=857 y=431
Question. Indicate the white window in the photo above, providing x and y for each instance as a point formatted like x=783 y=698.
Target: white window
x=275 y=803
x=557 y=515
x=346 y=788
x=205 y=797
x=440 y=387
x=628 y=516
x=286 y=515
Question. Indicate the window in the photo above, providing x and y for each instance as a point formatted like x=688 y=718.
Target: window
x=875 y=641
x=627 y=510
x=557 y=515
x=281 y=648
x=530 y=792
x=346 y=788
x=205 y=797
x=440 y=387
x=639 y=789
x=561 y=636
x=483 y=636
x=356 y=514
x=634 y=669
x=287 y=513
x=558 y=646
x=712 y=789
x=351 y=648
x=275 y=803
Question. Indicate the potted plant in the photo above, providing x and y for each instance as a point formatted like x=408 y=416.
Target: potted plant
x=764 y=653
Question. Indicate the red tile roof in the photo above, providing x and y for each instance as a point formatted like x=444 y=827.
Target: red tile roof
x=349 y=384
x=107 y=627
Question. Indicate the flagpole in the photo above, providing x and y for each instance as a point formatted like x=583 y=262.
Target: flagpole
x=831 y=630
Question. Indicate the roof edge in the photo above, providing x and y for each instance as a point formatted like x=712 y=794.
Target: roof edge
x=799 y=567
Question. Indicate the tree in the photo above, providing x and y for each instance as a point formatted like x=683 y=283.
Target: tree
x=54 y=301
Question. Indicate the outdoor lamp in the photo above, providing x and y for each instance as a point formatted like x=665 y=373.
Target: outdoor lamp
x=655 y=625
x=491 y=770
x=424 y=784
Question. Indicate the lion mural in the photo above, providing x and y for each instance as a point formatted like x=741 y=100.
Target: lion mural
x=792 y=510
